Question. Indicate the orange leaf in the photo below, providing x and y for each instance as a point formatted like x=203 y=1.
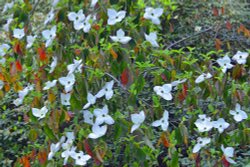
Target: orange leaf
x=25 y=161
x=184 y=92
x=164 y=140
x=89 y=152
x=125 y=77
x=113 y=53
x=218 y=44
x=222 y=10
x=96 y=27
x=18 y=49
x=171 y=27
x=19 y=66
x=42 y=157
x=42 y=54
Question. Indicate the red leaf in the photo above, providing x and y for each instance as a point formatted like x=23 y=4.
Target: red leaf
x=163 y=76
x=125 y=77
x=222 y=10
x=184 y=92
x=89 y=152
x=215 y=11
x=42 y=54
x=225 y=162
x=42 y=157
x=18 y=49
x=228 y=25
x=19 y=66
x=25 y=161
x=198 y=161
x=218 y=44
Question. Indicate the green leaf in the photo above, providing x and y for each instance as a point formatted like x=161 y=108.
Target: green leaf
x=49 y=132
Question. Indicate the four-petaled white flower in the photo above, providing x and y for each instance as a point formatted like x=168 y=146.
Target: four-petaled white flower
x=204 y=123
x=164 y=91
x=67 y=82
x=49 y=17
x=220 y=124
x=225 y=63
x=152 y=38
x=65 y=99
x=3 y=49
x=137 y=120
x=18 y=33
x=107 y=90
x=238 y=114
x=49 y=35
x=75 y=67
x=88 y=117
x=8 y=6
x=91 y=100
x=201 y=142
x=49 y=84
x=53 y=149
x=120 y=37
x=80 y=158
x=153 y=14
x=98 y=131
x=40 y=113
x=228 y=152
x=77 y=19
x=102 y=116
x=86 y=24
x=203 y=77
x=115 y=17
x=53 y=64
x=240 y=57
x=163 y=122
x=68 y=153
x=30 y=40
x=93 y=3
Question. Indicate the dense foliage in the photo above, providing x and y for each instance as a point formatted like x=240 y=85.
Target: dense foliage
x=124 y=83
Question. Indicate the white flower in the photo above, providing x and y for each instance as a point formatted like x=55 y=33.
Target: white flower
x=86 y=24
x=93 y=3
x=98 y=131
x=49 y=84
x=107 y=90
x=40 y=113
x=115 y=17
x=18 y=101
x=7 y=25
x=53 y=149
x=163 y=122
x=49 y=17
x=65 y=99
x=225 y=63
x=18 y=33
x=8 y=6
x=240 y=57
x=102 y=116
x=228 y=153
x=204 y=123
x=80 y=158
x=54 y=2
x=120 y=37
x=238 y=114
x=30 y=40
x=164 y=91
x=76 y=66
x=152 y=38
x=137 y=120
x=202 y=77
x=176 y=83
x=220 y=124
x=197 y=28
x=3 y=49
x=88 y=117
x=53 y=64
x=68 y=153
x=91 y=100
x=1 y=84
x=49 y=35
x=67 y=82
x=201 y=142
x=153 y=14
x=77 y=18
x=70 y=137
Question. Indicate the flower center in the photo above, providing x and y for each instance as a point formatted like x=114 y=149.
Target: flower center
x=106 y=89
x=77 y=18
x=225 y=64
x=240 y=57
x=103 y=115
x=220 y=126
x=237 y=113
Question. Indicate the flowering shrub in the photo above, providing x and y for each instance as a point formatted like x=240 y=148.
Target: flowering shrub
x=101 y=83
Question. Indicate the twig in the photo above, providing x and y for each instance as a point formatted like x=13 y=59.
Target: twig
x=191 y=36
